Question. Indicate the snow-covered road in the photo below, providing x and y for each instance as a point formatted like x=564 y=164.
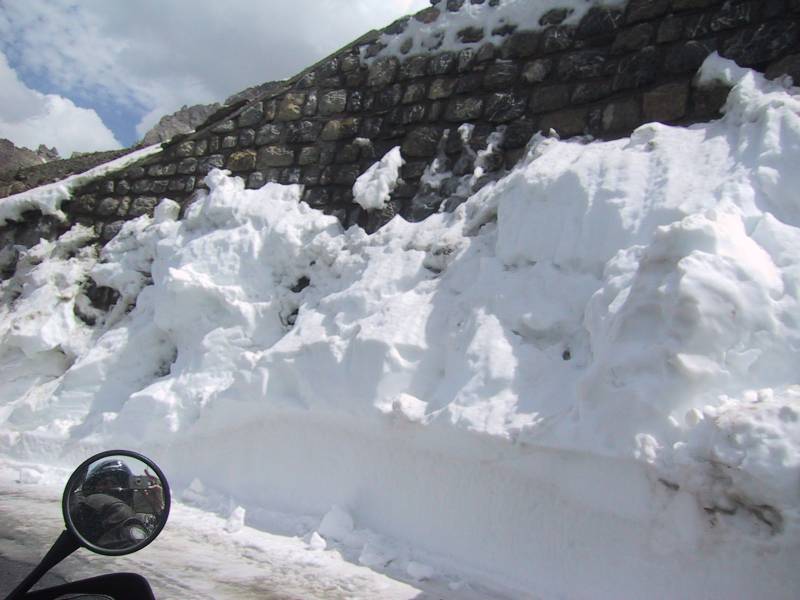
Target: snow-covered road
x=196 y=558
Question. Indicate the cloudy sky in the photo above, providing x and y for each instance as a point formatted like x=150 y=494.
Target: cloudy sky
x=86 y=75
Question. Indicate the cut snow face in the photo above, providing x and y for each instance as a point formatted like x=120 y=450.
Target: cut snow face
x=592 y=361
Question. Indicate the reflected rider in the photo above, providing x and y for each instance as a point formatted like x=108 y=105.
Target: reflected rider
x=103 y=512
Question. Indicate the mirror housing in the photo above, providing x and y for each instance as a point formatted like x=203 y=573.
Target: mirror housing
x=116 y=502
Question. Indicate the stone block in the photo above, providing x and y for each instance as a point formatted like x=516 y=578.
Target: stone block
x=521 y=44
x=422 y=142
x=201 y=148
x=413 y=67
x=644 y=10
x=485 y=52
x=256 y=180
x=316 y=197
x=633 y=38
x=622 y=116
x=427 y=15
x=187 y=166
x=406 y=115
x=340 y=129
x=388 y=97
x=307 y=81
x=290 y=107
x=269 y=134
x=600 y=21
x=312 y=101
x=162 y=170
x=415 y=92
x=371 y=127
x=122 y=187
x=503 y=107
x=246 y=137
x=687 y=56
x=225 y=127
x=348 y=153
x=757 y=45
x=275 y=156
x=230 y=141
x=303 y=131
x=554 y=16
x=86 y=204
x=332 y=102
x=697 y=26
x=666 y=103
x=557 y=38
x=214 y=161
x=244 y=160
x=213 y=144
x=692 y=4
x=501 y=75
x=468 y=83
x=290 y=176
x=143 y=205
x=350 y=62
x=142 y=186
x=184 y=149
x=308 y=155
x=638 y=69
x=707 y=101
x=518 y=134
x=582 y=64
x=464 y=109
x=310 y=175
x=442 y=88
x=732 y=15
x=789 y=65
x=584 y=92
x=547 y=98
x=355 y=102
x=442 y=63
x=670 y=29
x=470 y=35
x=110 y=230
x=270 y=109
x=567 y=123
x=383 y=71
x=135 y=172
x=251 y=115
x=537 y=70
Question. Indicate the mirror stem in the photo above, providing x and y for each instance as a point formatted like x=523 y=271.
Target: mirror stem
x=65 y=545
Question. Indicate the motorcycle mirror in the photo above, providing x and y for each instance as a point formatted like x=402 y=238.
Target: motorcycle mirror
x=116 y=502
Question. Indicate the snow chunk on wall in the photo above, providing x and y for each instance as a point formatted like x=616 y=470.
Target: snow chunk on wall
x=373 y=187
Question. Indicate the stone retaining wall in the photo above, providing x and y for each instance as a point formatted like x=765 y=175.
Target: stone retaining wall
x=607 y=74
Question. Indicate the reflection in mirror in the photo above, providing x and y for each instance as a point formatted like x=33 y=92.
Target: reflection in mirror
x=116 y=503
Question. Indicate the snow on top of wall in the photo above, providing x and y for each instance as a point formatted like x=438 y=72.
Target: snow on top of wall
x=442 y=33
x=48 y=198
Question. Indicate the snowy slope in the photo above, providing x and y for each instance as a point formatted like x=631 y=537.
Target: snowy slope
x=583 y=383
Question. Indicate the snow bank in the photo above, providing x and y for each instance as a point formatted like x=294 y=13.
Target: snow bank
x=582 y=382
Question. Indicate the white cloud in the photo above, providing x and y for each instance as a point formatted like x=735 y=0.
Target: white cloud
x=158 y=55
x=29 y=118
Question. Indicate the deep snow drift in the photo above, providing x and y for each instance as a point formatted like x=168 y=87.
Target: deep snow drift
x=581 y=383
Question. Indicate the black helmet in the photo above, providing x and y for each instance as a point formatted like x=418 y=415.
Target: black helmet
x=113 y=469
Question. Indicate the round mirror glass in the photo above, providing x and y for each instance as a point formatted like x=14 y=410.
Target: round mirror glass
x=116 y=502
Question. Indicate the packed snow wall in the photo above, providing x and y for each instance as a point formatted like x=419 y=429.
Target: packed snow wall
x=509 y=69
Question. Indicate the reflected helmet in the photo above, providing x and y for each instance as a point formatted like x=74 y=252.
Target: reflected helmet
x=113 y=469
